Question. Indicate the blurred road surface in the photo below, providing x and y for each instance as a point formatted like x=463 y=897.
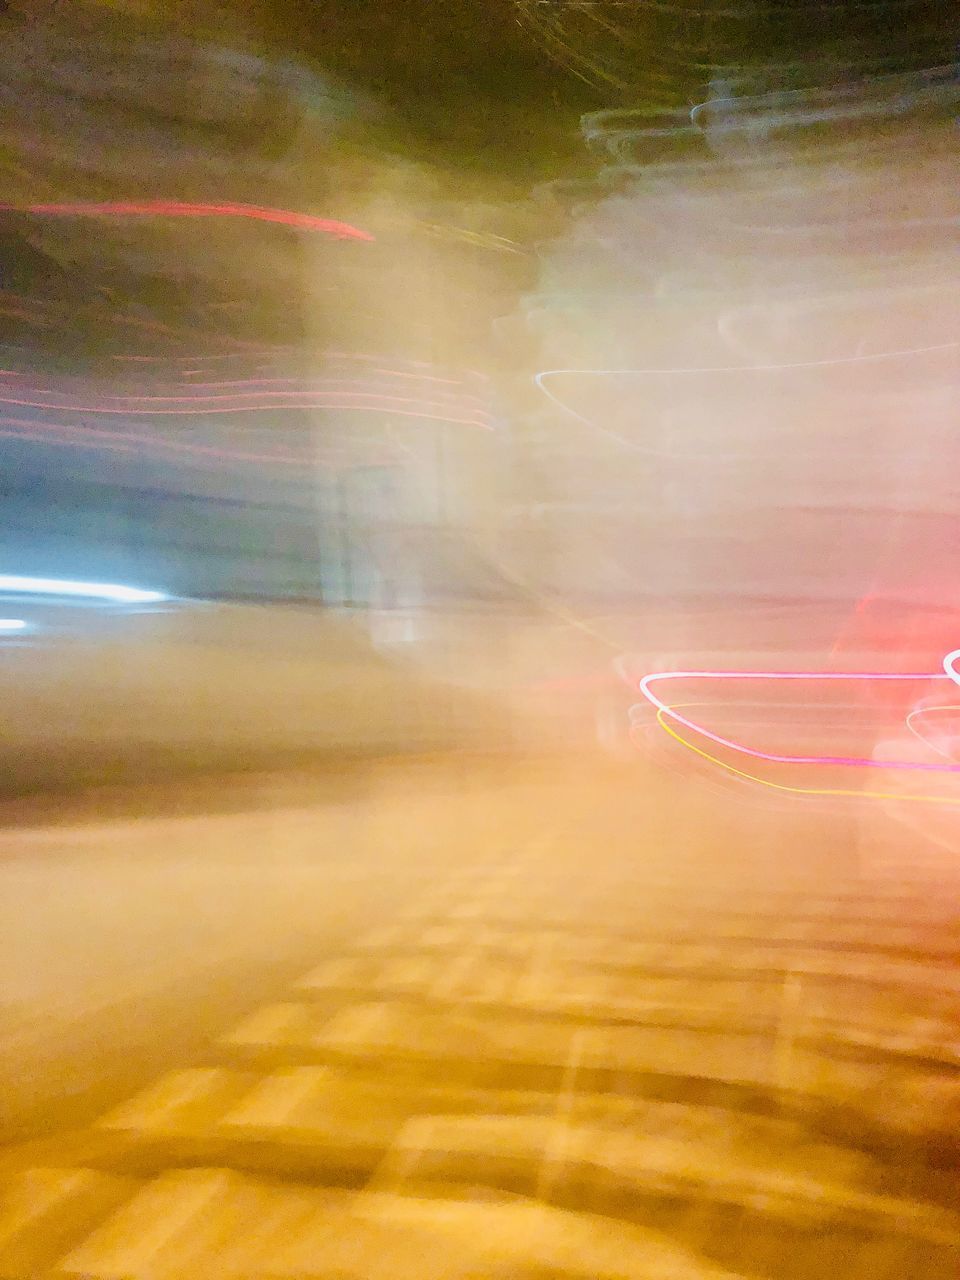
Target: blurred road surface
x=454 y=1018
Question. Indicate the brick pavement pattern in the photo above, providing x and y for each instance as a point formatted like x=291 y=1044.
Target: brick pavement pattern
x=553 y=1064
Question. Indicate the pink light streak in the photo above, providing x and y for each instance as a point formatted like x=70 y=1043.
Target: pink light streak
x=252 y=402
x=67 y=436
x=950 y=665
x=846 y=761
x=186 y=209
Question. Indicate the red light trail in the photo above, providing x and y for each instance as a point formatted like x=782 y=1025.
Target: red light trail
x=186 y=209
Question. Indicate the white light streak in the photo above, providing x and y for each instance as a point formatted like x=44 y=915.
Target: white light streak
x=78 y=590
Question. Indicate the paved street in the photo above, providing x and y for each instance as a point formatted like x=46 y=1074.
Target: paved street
x=464 y=1020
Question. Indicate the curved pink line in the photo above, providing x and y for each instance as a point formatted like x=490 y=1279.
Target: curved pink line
x=854 y=761
x=186 y=209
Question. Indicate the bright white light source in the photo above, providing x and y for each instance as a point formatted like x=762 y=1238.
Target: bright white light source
x=81 y=590
x=12 y=624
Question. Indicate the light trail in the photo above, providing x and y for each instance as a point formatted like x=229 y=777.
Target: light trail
x=186 y=386
x=950 y=665
x=186 y=209
x=899 y=353
x=379 y=391
x=19 y=585
x=699 y=370
x=100 y=438
x=166 y=406
x=66 y=436
x=829 y=761
x=928 y=742
x=802 y=791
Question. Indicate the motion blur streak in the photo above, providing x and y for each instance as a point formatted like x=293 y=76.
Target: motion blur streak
x=182 y=209
x=850 y=793
x=928 y=742
x=481 y=496
x=254 y=402
x=84 y=590
x=856 y=761
x=730 y=371
x=71 y=436
x=950 y=665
